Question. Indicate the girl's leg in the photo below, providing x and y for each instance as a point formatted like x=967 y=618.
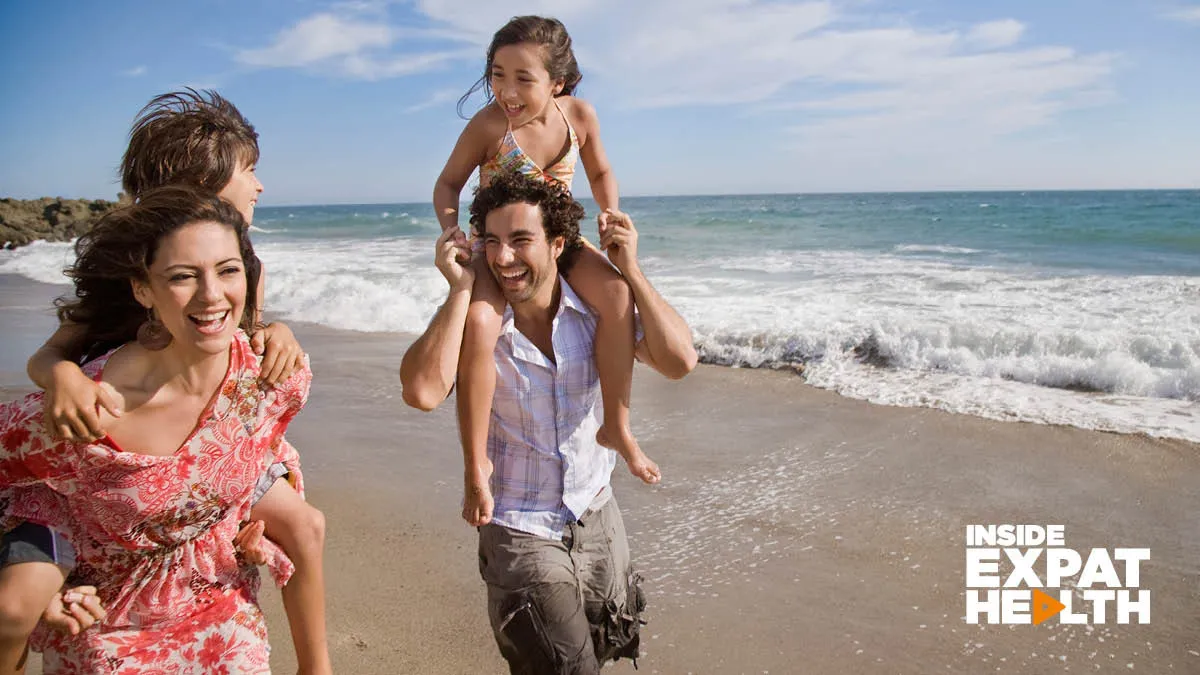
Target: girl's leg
x=476 y=387
x=26 y=589
x=605 y=290
x=299 y=529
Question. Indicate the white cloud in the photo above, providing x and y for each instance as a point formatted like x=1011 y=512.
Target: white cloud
x=437 y=98
x=136 y=71
x=851 y=78
x=349 y=46
x=1189 y=14
x=996 y=34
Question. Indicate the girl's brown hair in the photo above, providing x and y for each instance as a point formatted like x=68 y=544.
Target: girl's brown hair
x=551 y=35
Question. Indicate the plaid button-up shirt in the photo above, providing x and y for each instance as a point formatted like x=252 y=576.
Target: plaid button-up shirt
x=545 y=414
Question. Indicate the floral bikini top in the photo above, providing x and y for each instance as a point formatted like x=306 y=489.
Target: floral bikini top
x=512 y=158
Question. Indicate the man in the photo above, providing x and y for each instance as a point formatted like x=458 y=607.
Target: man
x=562 y=594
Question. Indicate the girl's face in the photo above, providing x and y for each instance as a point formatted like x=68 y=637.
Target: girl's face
x=197 y=286
x=242 y=191
x=521 y=83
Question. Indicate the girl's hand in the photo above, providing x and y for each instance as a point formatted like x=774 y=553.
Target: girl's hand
x=619 y=240
x=74 y=610
x=452 y=255
x=248 y=543
x=282 y=354
x=71 y=406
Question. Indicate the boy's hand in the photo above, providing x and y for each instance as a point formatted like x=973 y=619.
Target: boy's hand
x=71 y=406
x=452 y=255
x=74 y=610
x=248 y=543
x=618 y=238
x=282 y=354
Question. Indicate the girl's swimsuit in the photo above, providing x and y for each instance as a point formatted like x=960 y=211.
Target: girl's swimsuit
x=512 y=158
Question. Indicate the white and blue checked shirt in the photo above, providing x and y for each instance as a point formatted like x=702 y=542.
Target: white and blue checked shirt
x=545 y=414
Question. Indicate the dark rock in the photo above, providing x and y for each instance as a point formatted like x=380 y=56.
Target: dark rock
x=51 y=218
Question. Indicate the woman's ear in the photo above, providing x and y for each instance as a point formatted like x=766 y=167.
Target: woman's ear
x=141 y=293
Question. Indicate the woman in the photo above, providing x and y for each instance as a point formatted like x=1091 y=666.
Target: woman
x=152 y=508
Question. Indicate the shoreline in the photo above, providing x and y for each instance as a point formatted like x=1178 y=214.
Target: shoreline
x=793 y=525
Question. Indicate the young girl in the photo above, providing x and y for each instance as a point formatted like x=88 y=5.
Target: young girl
x=533 y=125
x=202 y=140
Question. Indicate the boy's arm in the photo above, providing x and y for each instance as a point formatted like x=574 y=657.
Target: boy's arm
x=667 y=346
x=72 y=398
x=428 y=368
x=281 y=352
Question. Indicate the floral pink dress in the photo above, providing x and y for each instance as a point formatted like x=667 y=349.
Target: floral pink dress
x=154 y=534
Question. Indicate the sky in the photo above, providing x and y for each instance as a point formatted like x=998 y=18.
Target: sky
x=355 y=102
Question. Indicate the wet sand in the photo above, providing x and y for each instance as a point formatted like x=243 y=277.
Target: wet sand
x=795 y=530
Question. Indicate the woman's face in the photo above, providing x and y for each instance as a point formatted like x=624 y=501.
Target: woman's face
x=197 y=286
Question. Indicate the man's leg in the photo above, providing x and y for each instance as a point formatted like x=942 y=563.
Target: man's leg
x=535 y=604
x=613 y=600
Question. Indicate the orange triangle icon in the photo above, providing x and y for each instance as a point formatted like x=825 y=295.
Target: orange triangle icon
x=1044 y=606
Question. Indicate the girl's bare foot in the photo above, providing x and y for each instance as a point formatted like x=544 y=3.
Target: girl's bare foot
x=627 y=446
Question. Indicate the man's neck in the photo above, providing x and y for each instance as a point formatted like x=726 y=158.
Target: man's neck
x=535 y=317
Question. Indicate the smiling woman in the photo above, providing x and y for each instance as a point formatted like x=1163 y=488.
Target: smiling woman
x=153 y=508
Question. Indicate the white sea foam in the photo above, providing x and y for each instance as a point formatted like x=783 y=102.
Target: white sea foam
x=918 y=248
x=1103 y=352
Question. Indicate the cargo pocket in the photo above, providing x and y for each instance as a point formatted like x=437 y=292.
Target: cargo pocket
x=524 y=642
x=621 y=632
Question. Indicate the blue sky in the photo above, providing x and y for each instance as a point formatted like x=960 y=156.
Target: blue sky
x=355 y=101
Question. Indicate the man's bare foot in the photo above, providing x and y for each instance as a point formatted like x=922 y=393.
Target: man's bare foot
x=627 y=446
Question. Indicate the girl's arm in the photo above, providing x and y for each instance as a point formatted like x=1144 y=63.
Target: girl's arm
x=469 y=152
x=72 y=399
x=595 y=162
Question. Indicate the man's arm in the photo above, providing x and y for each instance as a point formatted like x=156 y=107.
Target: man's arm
x=429 y=366
x=667 y=343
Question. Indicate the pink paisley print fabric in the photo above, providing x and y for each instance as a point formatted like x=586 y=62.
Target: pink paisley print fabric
x=154 y=534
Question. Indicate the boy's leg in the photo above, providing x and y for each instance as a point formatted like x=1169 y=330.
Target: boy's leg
x=476 y=387
x=534 y=604
x=299 y=529
x=26 y=589
x=603 y=288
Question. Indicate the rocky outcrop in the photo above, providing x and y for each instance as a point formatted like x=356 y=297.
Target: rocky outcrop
x=50 y=218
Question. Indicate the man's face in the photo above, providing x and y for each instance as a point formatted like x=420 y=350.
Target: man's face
x=518 y=254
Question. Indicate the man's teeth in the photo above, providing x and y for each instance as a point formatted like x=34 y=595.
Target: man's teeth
x=513 y=275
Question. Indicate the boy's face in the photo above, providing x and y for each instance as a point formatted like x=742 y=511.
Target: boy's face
x=242 y=191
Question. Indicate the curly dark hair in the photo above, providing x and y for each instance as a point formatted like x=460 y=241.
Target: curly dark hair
x=542 y=31
x=189 y=136
x=121 y=247
x=560 y=212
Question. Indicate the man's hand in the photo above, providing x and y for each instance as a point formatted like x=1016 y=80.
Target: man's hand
x=74 y=610
x=282 y=354
x=452 y=255
x=71 y=406
x=619 y=238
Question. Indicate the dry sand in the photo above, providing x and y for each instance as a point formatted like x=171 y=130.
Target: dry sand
x=795 y=531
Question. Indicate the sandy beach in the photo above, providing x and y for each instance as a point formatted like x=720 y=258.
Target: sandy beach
x=795 y=531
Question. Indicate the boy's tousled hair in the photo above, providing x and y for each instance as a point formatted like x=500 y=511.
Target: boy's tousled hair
x=560 y=212
x=551 y=35
x=192 y=137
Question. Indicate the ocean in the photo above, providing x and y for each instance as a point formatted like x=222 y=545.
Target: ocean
x=1076 y=308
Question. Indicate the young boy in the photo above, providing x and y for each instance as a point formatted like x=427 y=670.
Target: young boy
x=201 y=139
